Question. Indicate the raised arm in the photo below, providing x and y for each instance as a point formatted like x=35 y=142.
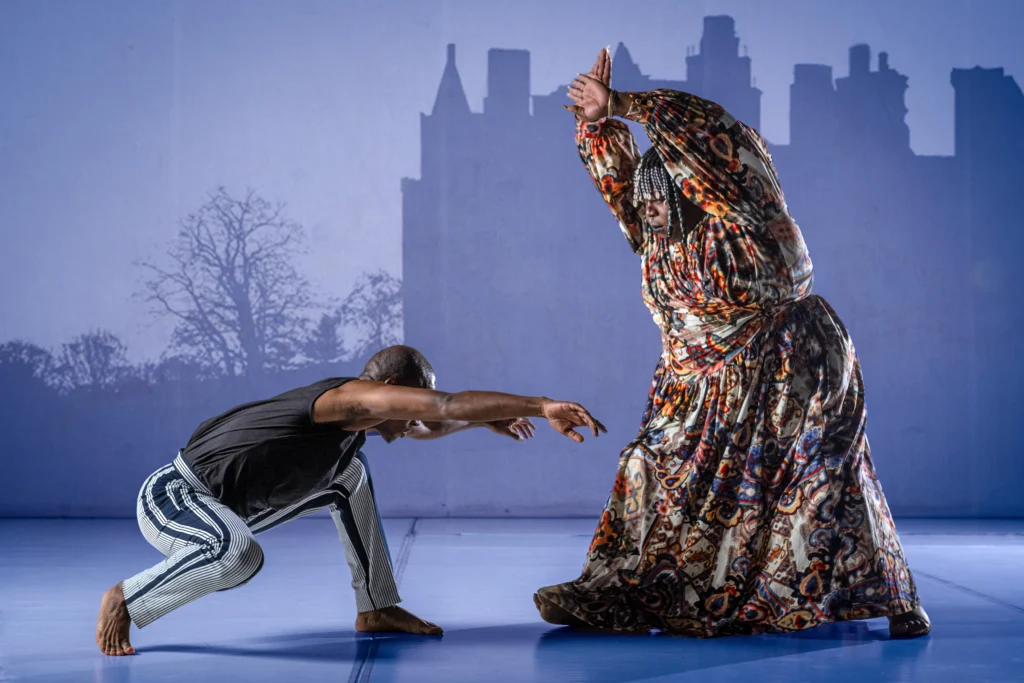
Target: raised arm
x=720 y=164
x=360 y=404
x=754 y=254
x=610 y=154
x=758 y=256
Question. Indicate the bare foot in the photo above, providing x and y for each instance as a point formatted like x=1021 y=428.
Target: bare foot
x=913 y=624
x=553 y=614
x=392 y=619
x=113 y=624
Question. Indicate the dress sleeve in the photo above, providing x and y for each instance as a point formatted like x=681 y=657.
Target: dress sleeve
x=609 y=152
x=754 y=253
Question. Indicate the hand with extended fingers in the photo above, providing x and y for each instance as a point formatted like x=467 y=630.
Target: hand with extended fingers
x=590 y=92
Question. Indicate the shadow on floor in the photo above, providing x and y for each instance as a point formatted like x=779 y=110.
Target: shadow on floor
x=540 y=652
x=556 y=651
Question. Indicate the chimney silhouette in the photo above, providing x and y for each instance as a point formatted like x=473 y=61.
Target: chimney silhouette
x=986 y=100
x=871 y=106
x=508 y=82
x=719 y=39
x=860 y=60
x=720 y=74
x=812 y=113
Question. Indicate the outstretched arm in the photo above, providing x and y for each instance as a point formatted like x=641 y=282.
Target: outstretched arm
x=360 y=404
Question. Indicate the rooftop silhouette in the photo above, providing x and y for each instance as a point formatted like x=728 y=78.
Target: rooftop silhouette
x=513 y=265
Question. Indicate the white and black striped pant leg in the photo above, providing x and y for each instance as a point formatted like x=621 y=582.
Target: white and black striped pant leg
x=207 y=546
x=354 y=509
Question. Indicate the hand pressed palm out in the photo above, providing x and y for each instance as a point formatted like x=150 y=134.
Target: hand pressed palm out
x=590 y=92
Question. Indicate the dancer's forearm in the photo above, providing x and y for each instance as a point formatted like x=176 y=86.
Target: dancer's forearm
x=426 y=431
x=361 y=402
x=489 y=406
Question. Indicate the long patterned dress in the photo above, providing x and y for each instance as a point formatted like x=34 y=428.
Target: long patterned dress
x=748 y=501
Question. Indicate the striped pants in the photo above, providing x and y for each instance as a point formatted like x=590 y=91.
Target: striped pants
x=210 y=548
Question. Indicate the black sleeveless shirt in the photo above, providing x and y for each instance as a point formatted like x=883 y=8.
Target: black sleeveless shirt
x=270 y=454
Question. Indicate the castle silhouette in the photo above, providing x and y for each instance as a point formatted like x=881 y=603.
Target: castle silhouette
x=516 y=276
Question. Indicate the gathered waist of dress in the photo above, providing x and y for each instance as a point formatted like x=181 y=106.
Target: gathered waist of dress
x=698 y=344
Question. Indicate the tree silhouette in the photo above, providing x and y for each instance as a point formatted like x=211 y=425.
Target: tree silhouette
x=176 y=369
x=237 y=299
x=22 y=362
x=94 y=360
x=373 y=309
x=325 y=344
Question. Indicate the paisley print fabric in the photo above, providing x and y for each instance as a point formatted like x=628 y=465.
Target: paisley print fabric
x=748 y=501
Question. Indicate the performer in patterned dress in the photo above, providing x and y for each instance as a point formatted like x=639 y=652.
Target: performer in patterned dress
x=748 y=501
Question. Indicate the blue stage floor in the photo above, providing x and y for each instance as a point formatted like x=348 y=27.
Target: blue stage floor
x=293 y=622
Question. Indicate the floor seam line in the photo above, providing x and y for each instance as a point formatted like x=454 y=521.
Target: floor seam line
x=970 y=591
x=364 y=671
x=405 y=550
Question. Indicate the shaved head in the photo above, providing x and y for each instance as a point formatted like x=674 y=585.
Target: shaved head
x=403 y=365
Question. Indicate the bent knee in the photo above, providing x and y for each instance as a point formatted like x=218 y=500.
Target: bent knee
x=353 y=478
x=237 y=561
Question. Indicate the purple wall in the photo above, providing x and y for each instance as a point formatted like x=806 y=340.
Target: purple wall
x=357 y=149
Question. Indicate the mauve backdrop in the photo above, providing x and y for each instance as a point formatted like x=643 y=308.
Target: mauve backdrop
x=204 y=203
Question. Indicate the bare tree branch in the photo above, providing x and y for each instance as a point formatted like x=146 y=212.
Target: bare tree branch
x=94 y=360
x=238 y=302
x=373 y=310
